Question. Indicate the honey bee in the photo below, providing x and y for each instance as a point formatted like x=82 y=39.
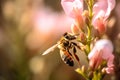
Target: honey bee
x=65 y=44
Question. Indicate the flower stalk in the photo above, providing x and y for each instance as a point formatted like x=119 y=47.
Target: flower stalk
x=100 y=58
x=89 y=26
x=95 y=17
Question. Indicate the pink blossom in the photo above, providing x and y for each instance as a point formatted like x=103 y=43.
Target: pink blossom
x=74 y=9
x=75 y=29
x=102 y=51
x=101 y=11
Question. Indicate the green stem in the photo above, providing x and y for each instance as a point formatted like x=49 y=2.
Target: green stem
x=90 y=8
x=89 y=26
x=88 y=39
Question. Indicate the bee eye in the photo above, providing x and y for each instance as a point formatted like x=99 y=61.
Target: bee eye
x=66 y=43
x=67 y=37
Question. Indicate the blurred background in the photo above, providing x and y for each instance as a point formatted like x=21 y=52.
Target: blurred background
x=29 y=27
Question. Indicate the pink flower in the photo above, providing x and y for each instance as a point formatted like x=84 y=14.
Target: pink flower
x=102 y=51
x=101 y=11
x=74 y=9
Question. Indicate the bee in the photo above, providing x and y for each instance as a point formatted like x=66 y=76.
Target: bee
x=66 y=44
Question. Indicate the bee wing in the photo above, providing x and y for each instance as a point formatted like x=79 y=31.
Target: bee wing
x=50 y=49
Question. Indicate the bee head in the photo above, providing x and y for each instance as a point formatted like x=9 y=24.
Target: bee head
x=69 y=36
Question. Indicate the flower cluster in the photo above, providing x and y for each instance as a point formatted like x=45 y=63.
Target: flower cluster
x=100 y=12
x=102 y=51
x=95 y=18
x=100 y=58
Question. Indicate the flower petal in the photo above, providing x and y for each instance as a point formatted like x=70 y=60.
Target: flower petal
x=101 y=11
x=102 y=51
x=72 y=7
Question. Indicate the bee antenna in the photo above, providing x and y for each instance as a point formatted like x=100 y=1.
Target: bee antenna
x=65 y=34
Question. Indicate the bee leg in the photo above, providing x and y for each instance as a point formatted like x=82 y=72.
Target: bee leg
x=76 y=57
x=73 y=43
x=69 y=53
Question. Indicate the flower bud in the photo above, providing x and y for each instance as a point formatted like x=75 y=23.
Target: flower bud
x=83 y=68
x=75 y=29
x=82 y=38
x=79 y=22
x=86 y=16
x=101 y=26
x=103 y=71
